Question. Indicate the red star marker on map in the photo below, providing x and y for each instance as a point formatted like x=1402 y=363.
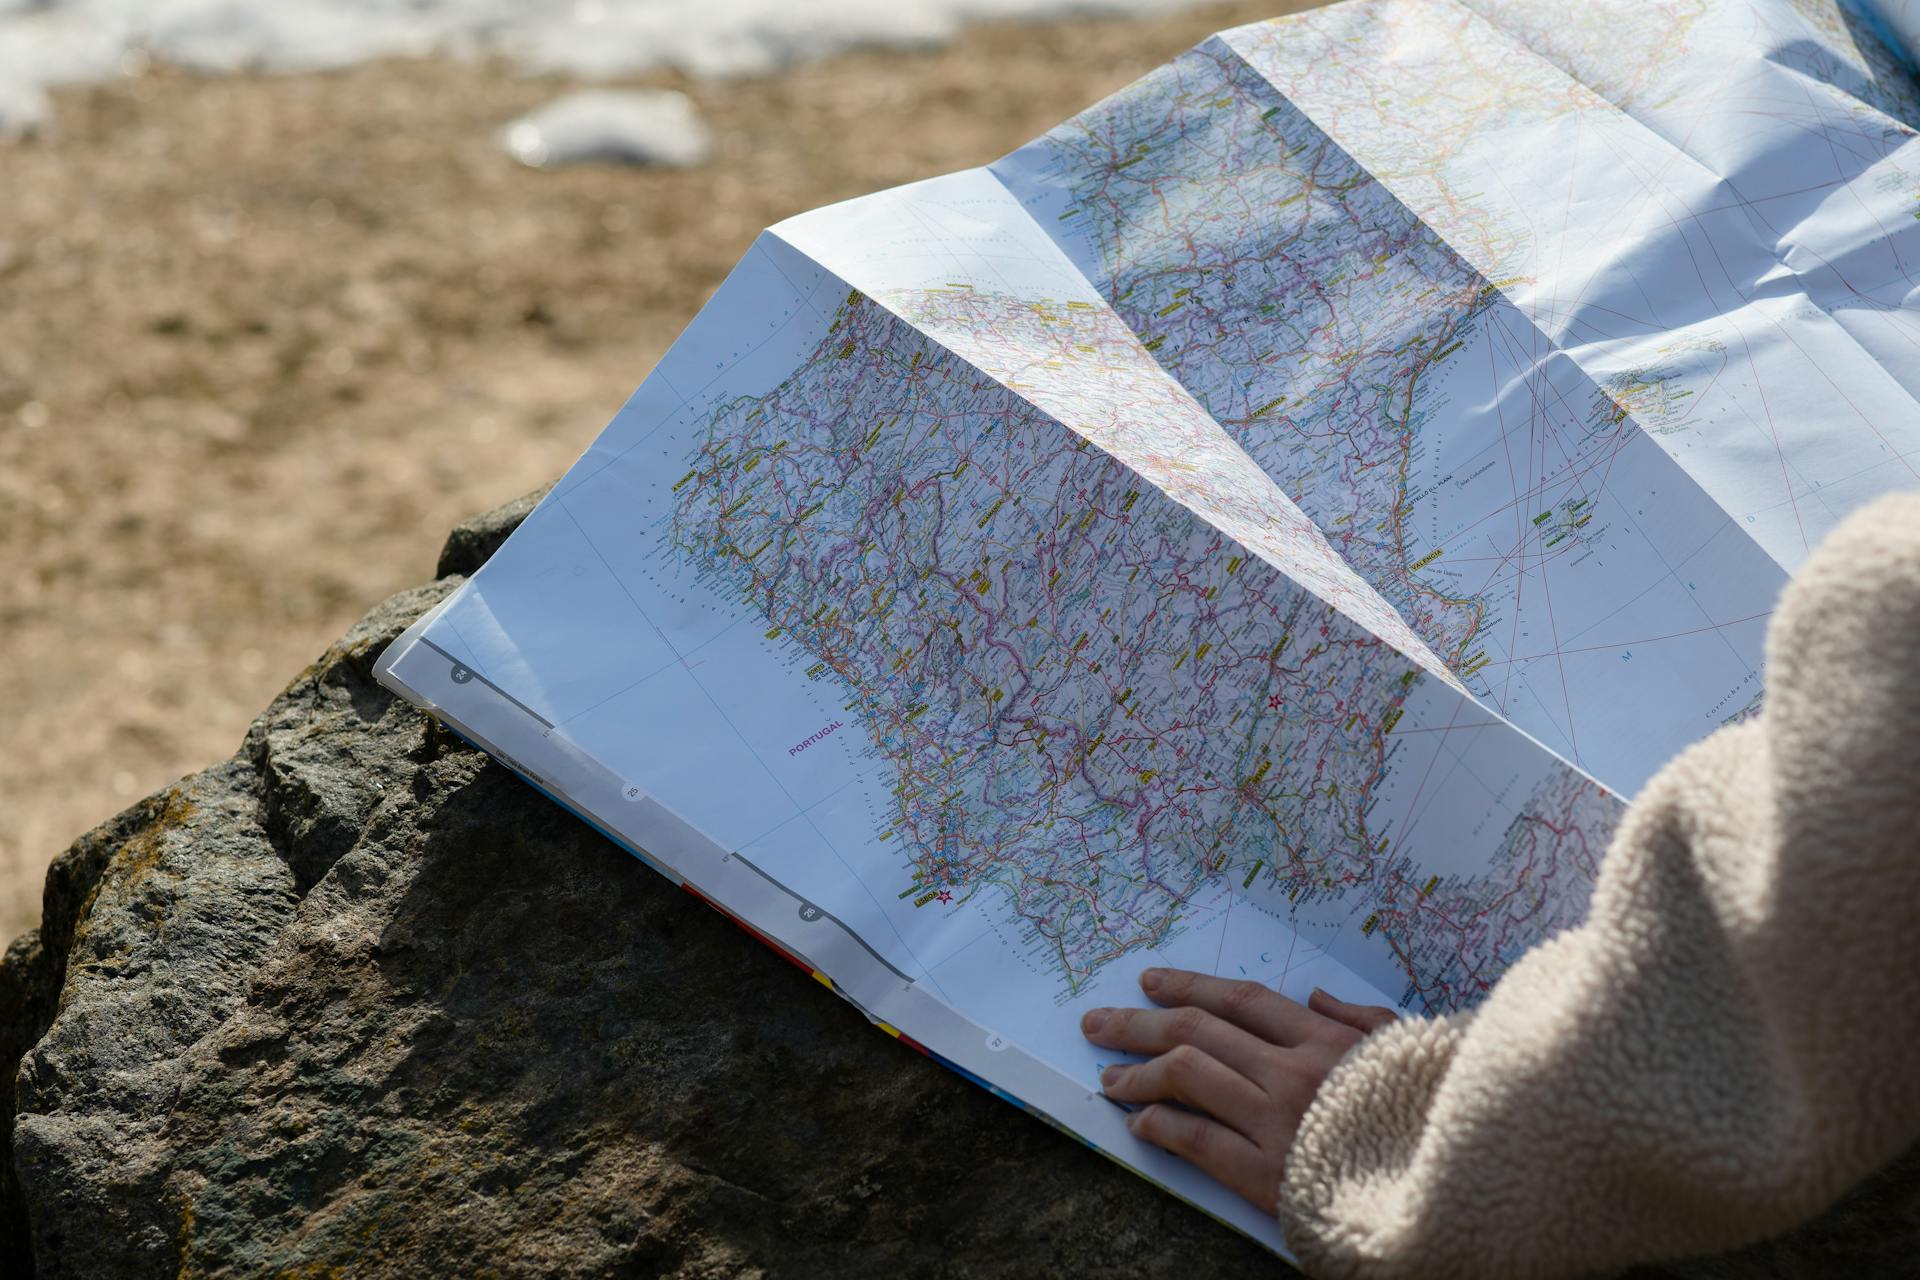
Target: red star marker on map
x=946 y=895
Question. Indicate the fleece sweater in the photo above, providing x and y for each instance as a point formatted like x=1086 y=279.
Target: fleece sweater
x=1732 y=1038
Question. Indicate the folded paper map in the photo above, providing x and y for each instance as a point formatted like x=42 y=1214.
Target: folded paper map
x=1268 y=525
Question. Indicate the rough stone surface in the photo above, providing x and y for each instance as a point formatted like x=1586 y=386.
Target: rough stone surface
x=359 y=1002
x=472 y=542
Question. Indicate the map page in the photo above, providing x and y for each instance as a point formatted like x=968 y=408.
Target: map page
x=1268 y=525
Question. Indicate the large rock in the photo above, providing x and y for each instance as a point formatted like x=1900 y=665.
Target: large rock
x=359 y=1002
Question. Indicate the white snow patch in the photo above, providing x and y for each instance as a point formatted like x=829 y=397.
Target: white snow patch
x=52 y=42
x=24 y=110
x=647 y=127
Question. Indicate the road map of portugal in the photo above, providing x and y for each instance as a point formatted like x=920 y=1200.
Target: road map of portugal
x=1288 y=291
x=1359 y=360
x=1085 y=699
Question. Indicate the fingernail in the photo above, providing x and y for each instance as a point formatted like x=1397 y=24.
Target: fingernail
x=1151 y=979
x=1133 y=1121
x=1111 y=1074
x=1093 y=1020
x=1322 y=994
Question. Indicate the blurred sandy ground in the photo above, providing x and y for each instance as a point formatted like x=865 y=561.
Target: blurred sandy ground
x=263 y=341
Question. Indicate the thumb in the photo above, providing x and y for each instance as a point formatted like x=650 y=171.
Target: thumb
x=1364 y=1018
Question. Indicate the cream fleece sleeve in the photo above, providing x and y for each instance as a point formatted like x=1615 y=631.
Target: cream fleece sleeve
x=1729 y=1042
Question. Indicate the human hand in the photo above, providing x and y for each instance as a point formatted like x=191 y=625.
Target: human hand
x=1243 y=1061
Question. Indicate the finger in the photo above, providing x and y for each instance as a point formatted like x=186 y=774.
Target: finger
x=1155 y=1031
x=1214 y=1148
x=1248 y=1005
x=1364 y=1018
x=1186 y=1074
